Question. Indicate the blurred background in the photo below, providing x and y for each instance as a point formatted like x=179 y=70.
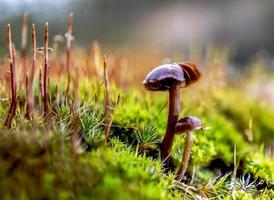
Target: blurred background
x=246 y=26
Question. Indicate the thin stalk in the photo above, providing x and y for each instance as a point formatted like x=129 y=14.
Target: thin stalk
x=107 y=108
x=137 y=149
x=10 y=59
x=8 y=84
x=28 y=112
x=41 y=88
x=57 y=97
x=29 y=91
x=173 y=114
x=14 y=86
x=68 y=50
x=24 y=36
x=34 y=50
x=193 y=175
x=45 y=75
x=49 y=94
x=14 y=76
x=186 y=155
x=75 y=114
x=236 y=165
x=75 y=102
x=13 y=81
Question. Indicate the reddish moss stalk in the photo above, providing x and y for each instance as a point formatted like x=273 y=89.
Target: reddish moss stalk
x=68 y=50
x=28 y=110
x=13 y=81
x=29 y=92
x=75 y=113
x=34 y=50
x=45 y=74
x=41 y=88
x=107 y=108
x=75 y=102
x=24 y=36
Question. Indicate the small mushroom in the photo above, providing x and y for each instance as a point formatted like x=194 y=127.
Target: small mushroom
x=171 y=77
x=187 y=125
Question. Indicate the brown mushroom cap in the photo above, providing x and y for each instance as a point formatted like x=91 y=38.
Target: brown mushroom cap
x=188 y=123
x=164 y=76
x=191 y=72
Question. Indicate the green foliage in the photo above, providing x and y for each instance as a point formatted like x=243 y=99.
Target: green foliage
x=90 y=125
x=38 y=167
x=247 y=116
x=147 y=138
x=89 y=119
x=226 y=130
x=62 y=112
x=126 y=176
x=118 y=145
x=38 y=164
x=245 y=184
x=225 y=136
x=135 y=110
x=203 y=150
x=260 y=166
x=3 y=108
x=84 y=92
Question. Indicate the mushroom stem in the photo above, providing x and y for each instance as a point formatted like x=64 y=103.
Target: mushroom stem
x=186 y=155
x=173 y=114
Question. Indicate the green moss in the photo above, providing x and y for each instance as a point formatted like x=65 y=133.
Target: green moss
x=38 y=168
x=260 y=166
x=39 y=164
x=141 y=178
x=248 y=116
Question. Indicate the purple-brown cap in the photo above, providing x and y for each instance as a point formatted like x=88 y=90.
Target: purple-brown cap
x=188 y=123
x=164 y=76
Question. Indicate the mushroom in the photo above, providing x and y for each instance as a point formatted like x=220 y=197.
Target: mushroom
x=171 y=77
x=186 y=125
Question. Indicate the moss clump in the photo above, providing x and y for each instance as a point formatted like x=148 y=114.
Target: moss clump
x=261 y=166
x=44 y=167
